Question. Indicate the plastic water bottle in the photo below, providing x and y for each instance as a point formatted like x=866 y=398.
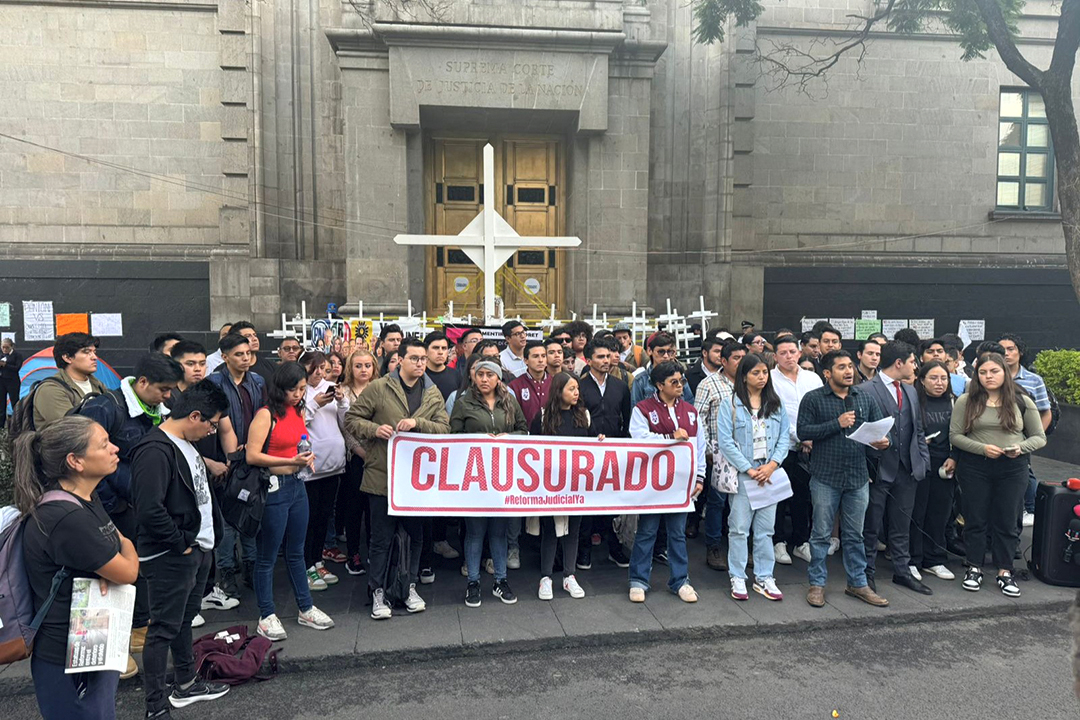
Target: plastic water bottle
x=304 y=446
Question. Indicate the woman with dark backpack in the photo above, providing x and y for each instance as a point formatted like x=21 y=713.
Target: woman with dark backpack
x=272 y=443
x=71 y=455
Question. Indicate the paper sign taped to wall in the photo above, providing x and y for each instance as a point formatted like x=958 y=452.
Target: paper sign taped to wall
x=975 y=329
x=924 y=327
x=808 y=323
x=889 y=327
x=869 y=314
x=5 y=314
x=846 y=326
x=72 y=322
x=106 y=324
x=864 y=328
x=38 y=320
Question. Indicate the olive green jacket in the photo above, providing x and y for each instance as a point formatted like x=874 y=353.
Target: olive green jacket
x=52 y=400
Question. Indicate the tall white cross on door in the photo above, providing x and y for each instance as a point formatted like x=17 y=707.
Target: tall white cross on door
x=488 y=240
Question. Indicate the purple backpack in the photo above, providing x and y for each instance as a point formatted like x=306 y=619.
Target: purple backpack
x=18 y=622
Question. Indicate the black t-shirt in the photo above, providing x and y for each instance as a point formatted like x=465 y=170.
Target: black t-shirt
x=414 y=395
x=447 y=380
x=61 y=534
x=567 y=428
x=937 y=413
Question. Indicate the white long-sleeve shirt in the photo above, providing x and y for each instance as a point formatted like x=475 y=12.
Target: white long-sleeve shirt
x=791 y=394
x=639 y=428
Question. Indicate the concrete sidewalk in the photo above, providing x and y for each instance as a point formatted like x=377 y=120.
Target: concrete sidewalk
x=605 y=615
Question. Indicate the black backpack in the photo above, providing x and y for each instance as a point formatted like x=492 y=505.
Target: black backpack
x=397 y=582
x=243 y=496
x=1055 y=413
x=22 y=415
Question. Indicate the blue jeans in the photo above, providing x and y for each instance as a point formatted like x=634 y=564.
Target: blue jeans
x=827 y=500
x=641 y=557
x=714 y=516
x=513 y=532
x=285 y=519
x=740 y=520
x=225 y=553
x=495 y=528
x=84 y=696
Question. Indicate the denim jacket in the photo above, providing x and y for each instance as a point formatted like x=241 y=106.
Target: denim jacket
x=738 y=446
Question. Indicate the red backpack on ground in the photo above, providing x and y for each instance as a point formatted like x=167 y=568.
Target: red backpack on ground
x=233 y=657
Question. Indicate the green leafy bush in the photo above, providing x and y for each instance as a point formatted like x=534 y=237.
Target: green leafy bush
x=1061 y=371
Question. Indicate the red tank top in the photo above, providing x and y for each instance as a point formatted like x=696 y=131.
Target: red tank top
x=286 y=434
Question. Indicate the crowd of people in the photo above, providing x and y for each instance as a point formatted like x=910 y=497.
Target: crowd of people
x=146 y=464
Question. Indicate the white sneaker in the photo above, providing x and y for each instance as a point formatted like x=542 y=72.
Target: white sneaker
x=738 y=589
x=325 y=575
x=314 y=582
x=688 y=594
x=781 y=554
x=443 y=548
x=1029 y=519
x=379 y=609
x=489 y=566
x=915 y=572
x=881 y=547
x=767 y=588
x=315 y=618
x=834 y=545
x=513 y=559
x=545 y=589
x=198 y=621
x=270 y=628
x=802 y=552
x=414 y=603
x=570 y=585
x=218 y=600
x=940 y=571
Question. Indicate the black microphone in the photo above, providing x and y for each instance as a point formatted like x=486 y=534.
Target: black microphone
x=849 y=406
x=1072 y=535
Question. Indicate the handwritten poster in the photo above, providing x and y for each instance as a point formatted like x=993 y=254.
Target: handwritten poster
x=5 y=314
x=72 y=322
x=869 y=314
x=106 y=324
x=38 y=320
x=889 y=327
x=846 y=326
x=924 y=327
x=808 y=323
x=865 y=327
x=975 y=330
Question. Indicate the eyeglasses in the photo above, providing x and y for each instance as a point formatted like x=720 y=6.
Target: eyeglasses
x=213 y=424
x=563 y=340
x=518 y=333
x=676 y=382
x=665 y=352
x=416 y=359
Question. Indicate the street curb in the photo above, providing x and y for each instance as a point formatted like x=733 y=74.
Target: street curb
x=390 y=658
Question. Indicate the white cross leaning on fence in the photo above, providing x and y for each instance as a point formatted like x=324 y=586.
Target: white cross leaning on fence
x=488 y=240
x=595 y=322
x=703 y=315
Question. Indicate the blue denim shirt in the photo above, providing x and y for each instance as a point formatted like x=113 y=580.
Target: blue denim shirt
x=737 y=444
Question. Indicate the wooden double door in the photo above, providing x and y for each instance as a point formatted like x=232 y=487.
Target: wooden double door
x=529 y=194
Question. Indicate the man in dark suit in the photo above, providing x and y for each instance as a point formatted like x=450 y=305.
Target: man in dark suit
x=899 y=468
x=607 y=399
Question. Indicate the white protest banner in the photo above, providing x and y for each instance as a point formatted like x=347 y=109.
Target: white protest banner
x=480 y=475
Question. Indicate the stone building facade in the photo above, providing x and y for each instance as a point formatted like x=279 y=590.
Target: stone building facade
x=283 y=145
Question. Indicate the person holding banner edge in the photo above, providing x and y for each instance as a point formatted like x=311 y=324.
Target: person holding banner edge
x=666 y=415
x=753 y=434
x=403 y=401
x=563 y=414
x=487 y=406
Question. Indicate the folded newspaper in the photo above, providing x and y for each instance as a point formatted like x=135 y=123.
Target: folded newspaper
x=100 y=629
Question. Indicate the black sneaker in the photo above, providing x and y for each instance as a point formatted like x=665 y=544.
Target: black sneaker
x=472 y=594
x=660 y=556
x=584 y=558
x=354 y=566
x=618 y=556
x=972 y=579
x=197 y=692
x=228 y=582
x=1008 y=585
x=501 y=590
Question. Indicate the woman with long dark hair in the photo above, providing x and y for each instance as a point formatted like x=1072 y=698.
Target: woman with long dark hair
x=487 y=407
x=993 y=426
x=934 y=496
x=563 y=414
x=69 y=529
x=752 y=431
x=272 y=443
x=324 y=416
x=361 y=369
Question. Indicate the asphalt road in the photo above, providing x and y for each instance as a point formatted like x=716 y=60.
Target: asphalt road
x=1006 y=668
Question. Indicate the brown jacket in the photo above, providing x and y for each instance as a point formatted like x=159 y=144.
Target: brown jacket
x=384 y=403
x=52 y=401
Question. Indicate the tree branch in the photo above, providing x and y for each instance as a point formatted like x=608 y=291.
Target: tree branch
x=997 y=29
x=1067 y=42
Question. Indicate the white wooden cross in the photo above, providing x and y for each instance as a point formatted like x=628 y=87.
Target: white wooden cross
x=549 y=325
x=702 y=315
x=488 y=240
x=638 y=325
x=596 y=323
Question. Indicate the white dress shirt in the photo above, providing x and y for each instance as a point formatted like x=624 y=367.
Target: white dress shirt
x=791 y=394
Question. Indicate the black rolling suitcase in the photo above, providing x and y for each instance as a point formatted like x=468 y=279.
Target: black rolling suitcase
x=1055 y=550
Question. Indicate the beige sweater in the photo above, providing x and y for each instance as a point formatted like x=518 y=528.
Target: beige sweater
x=987 y=429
